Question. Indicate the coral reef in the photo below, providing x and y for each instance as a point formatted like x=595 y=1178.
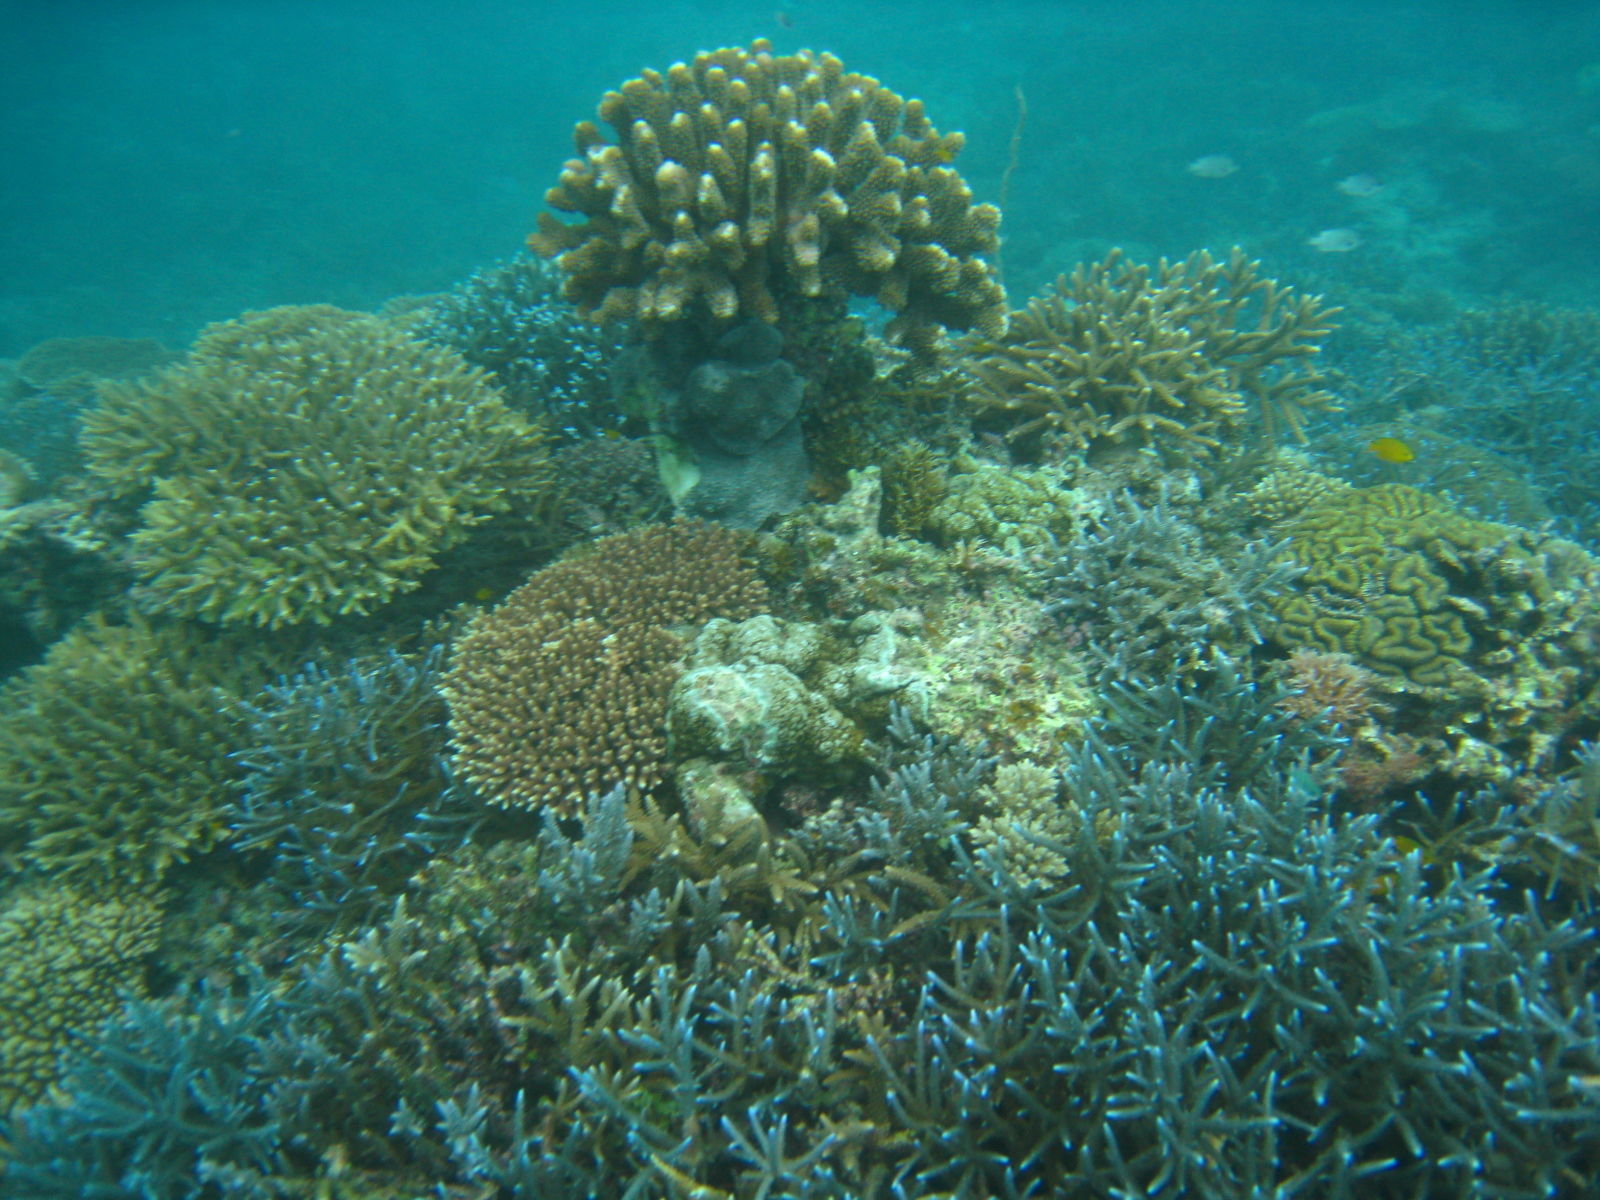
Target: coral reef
x=1027 y=827
x=743 y=179
x=764 y=701
x=1287 y=489
x=306 y=463
x=114 y=751
x=511 y=321
x=1482 y=633
x=61 y=364
x=1231 y=989
x=1014 y=509
x=561 y=690
x=68 y=959
x=1143 y=586
x=342 y=785
x=1500 y=402
x=1118 y=354
x=1410 y=587
x=171 y=1102
x=57 y=565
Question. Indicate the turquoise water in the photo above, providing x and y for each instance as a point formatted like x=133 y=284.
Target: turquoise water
x=173 y=164
x=786 y=692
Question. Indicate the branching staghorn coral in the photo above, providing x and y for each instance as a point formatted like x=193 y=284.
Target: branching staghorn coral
x=1178 y=356
x=511 y=321
x=1142 y=586
x=561 y=691
x=1235 y=990
x=307 y=463
x=744 y=178
x=343 y=785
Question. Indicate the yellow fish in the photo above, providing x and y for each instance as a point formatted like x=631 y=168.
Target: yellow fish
x=1392 y=450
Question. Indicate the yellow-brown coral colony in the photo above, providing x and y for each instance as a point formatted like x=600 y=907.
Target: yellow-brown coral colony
x=306 y=463
x=1121 y=353
x=743 y=175
x=561 y=691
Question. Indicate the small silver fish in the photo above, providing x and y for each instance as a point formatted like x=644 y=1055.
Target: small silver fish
x=1212 y=166
x=1334 y=241
x=1359 y=186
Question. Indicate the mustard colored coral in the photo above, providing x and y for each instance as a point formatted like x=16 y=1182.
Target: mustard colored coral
x=114 y=751
x=561 y=691
x=306 y=463
x=1386 y=581
x=1121 y=353
x=68 y=958
x=744 y=176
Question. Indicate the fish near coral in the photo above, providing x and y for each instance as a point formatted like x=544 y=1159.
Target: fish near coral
x=1392 y=450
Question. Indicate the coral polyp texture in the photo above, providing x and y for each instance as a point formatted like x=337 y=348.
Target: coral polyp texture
x=306 y=463
x=1413 y=588
x=68 y=960
x=743 y=177
x=1177 y=355
x=114 y=751
x=561 y=691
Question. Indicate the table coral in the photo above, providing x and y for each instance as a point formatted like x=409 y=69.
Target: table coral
x=1177 y=355
x=743 y=176
x=561 y=691
x=68 y=959
x=306 y=463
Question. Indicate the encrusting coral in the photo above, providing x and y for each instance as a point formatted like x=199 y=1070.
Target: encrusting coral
x=306 y=463
x=561 y=691
x=68 y=959
x=742 y=177
x=1119 y=353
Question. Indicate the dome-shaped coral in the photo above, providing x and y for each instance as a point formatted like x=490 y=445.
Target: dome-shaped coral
x=742 y=175
x=306 y=463
x=562 y=690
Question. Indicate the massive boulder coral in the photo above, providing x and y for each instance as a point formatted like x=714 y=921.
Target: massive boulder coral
x=306 y=463
x=1177 y=356
x=744 y=176
x=561 y=691
x=1489 y=627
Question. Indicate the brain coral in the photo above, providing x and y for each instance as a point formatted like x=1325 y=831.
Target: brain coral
x=114 y=749
x=67 y=959
x=744 y=175
x=1119 y=353
x=306 y=463
x=562 y=690
x=1408 y=585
